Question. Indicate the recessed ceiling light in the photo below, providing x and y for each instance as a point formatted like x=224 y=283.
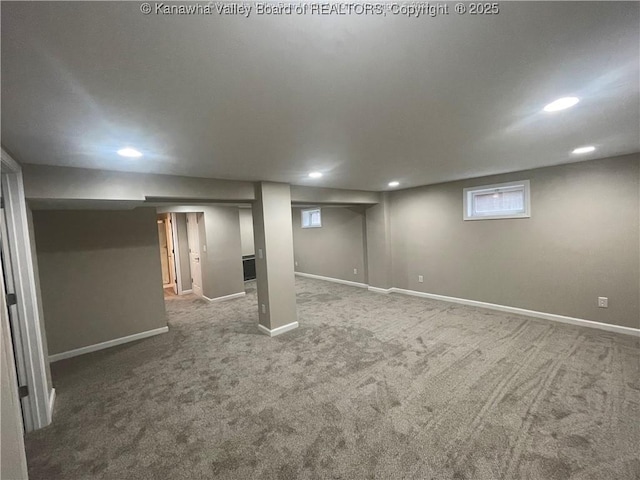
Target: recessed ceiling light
x=587 y=149
x=394 y=184
x=129 y=152
x=315 y=174
x=561 y=104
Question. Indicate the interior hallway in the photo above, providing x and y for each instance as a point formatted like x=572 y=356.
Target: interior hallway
x=369 y=386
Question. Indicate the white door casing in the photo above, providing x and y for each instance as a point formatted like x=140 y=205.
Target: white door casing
x=176 y=253
x=12 y=311
x=38 y=405
x=168 y=222
x=193 y=237
x=164 y=254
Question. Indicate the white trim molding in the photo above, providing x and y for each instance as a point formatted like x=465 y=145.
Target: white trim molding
x=334 y=280
x=52 y=402
x=521 y=311
x=491 y=306
x=225 y=298
x=186 y=292
x=176 y=252
x=31 y=344
x=278 y=330
x=109 y=343
x=380 y=290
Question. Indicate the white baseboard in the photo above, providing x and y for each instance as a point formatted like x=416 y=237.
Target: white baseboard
x=52 y=402
x=380 y=290
x=186 y=292
x=226 y=297
x=110 y=343
x=501 y=308
x=521 y=311
x=334 y=280
x=279 y=330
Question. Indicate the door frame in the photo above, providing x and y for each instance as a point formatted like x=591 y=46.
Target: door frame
x=176 y=252
x=190 y=237
x=162 y=230
x=18 y=357
x=12 y=417
x=171 y=252
x=38 y=404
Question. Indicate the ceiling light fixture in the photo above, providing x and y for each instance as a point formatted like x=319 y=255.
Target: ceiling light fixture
x=129 y=152
x=315 y=174
x=561 y=104
x=587 y=149
x=394 y=184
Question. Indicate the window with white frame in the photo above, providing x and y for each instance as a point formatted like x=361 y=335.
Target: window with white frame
x=502 y=200
x=311 y=218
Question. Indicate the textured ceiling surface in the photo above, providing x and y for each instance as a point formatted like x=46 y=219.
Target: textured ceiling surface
x=365 y=99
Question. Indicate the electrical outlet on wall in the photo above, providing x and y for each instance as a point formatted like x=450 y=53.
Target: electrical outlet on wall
x=420 y=279
x=264 y=308
x=296 y=264
x=603 y=302
x=355 y=271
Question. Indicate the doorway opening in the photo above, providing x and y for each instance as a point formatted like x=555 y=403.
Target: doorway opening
x=182 y=242
x=167 y=255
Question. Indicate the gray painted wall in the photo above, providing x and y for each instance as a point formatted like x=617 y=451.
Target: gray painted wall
x=319 y=195
x=582 y=241
x=64 y=186
x=378 y=226
x=100 y=275
x=69 y=183
x=183 y=251
x=222 y=262
x=246 y=231
x=334 y=249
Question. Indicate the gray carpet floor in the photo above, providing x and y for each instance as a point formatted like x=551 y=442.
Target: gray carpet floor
x=370 y=386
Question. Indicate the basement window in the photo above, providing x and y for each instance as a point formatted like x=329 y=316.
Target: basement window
x=311 y=218
x=502 y=200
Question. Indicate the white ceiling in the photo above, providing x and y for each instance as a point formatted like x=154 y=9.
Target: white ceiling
x=363 y=99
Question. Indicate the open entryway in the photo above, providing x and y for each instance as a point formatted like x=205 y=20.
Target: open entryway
x=181 y=241
x=167 y=254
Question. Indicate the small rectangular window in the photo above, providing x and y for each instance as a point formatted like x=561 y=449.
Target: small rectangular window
x=311 y=218
x=502 y=200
